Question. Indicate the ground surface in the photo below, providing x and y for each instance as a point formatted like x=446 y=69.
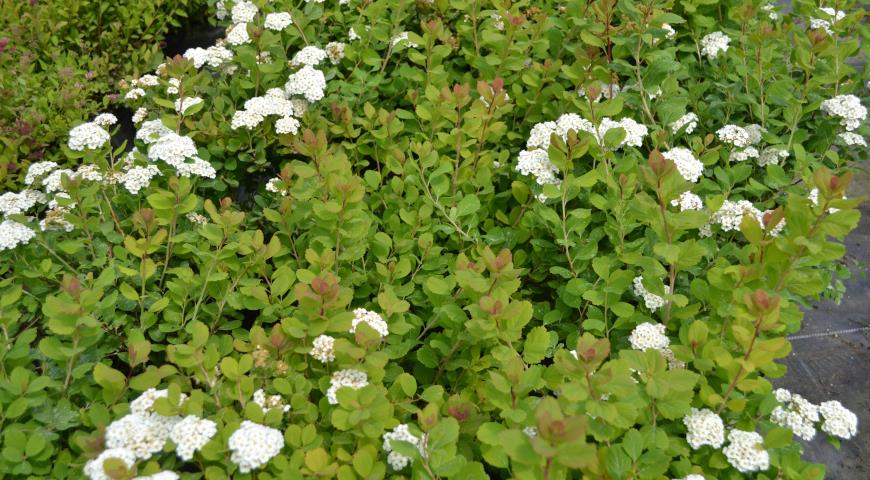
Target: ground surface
x=831 y=355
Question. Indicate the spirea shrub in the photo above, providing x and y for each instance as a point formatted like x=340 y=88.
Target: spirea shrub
x=369 y=239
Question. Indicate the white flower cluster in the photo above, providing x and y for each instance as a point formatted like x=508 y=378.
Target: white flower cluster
x=704 y=428
x=692 y=476
x=164 y=475
x=142 y=434
x=335 y=52
x=253 y=445
x=13 y=234
x=90 y=135
x=94 y=468
x=851 y=139
x=839 y=421
x=309 y=55
x=269 y=402
x=689 y=167
x=797 y=414
x=12 y=203
x=833 y=15
x=688 y=201
x=403 y=434
x=734 y=135
x=243 y=12
x=848 y=108
x=713 y=44
x=238 y=34
x=278 y=21
x=402 y=37
x=373 y=319
x=535 y=160
x=323 y=348
x=214 y=56
x=177 y=151
x=649 y=336
x=197 y=218
x=136 y=178
x=134 y=94
x=533 y=431
x=730 y=215
x=274 y=185
x=652 y=301
x=772 y=14
x=38 y=170
x=190 y=434
x=746 y=452
x=743 y=155
x=273 y=103
x=308 y=82
x=183 y=104
x=350 y=378
x=689 y=120
x=772 y=156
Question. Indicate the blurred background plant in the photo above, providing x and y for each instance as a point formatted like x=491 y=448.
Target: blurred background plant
x=59 y=60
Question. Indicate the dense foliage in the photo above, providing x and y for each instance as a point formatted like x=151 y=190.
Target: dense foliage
x=59 y=59
x=449 y=239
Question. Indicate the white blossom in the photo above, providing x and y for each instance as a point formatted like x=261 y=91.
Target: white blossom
x=90 y=136
x=140 y=115
x=244 y=12
x=136 y=178
x=134 y=94
x=269 y=402
x=373 y=319
x=309 y=55
x=246 y=119
x=537 y=164
x=689 y=167
x=839 y=421
x=797 y=414
x=350 y=378
x=308 y=82
x=190 y=434
x=94 y=468
x=275 y=185
x=848 y=108
x=13 y=234
x=278 y=21
x=151 y=131
x=335 y=52
x=744 y=154
x=164 y=475
x=401 y=433
x=105 y=119
x=746 y=452
x=402 y=37
x=851 y=139
x=688 y=201
x=214 y=56
x=649 y=336
x=253 y=445
x=323 y=348
x=54 y=181
x=689 y=120
x=352 y=35
x=734 y=135
x=38 y=170
x=144 y=435
x=286 y=126
x=704 y=428
x=714 y=43
x=652 y=301
x=238 y=34
x=772 y=156
x=12 y=203
x=183 y=104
